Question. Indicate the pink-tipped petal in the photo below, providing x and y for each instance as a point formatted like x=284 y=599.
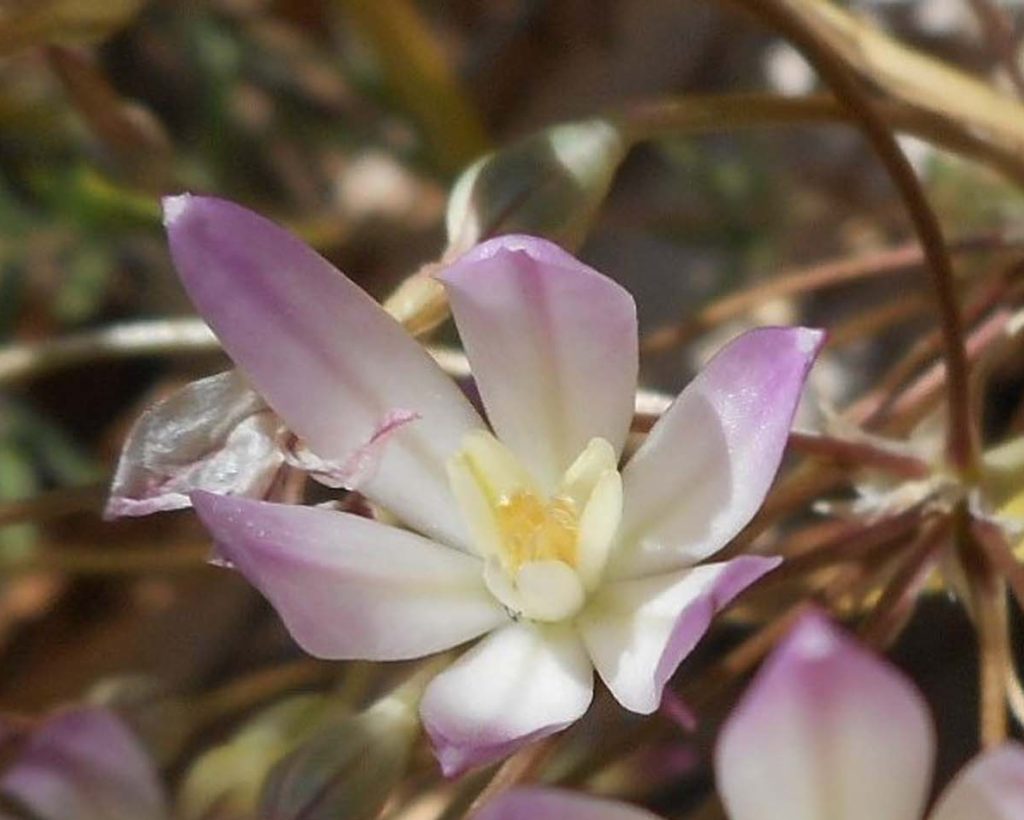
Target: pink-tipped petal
x=519 y=684
x=553 y=346
x=324 y=355
x=214 y=434
x=84 y=764
x=706 y=466
x=350 y=587
x=556 y=804
x=826 y=730
x=990 y=787
x=638 y=631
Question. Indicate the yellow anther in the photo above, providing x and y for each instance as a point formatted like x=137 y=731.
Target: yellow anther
x=535 y=530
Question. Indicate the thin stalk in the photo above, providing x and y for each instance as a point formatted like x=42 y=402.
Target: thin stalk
x=962 y=444
x=820 y=276
x=899 y=598
x=858 y=454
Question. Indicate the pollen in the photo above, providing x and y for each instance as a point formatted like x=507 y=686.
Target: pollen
x=532 y=529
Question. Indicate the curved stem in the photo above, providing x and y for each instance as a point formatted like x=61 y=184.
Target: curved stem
x=961 y=445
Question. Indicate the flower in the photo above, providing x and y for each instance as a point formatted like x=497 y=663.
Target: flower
x=827 y=731
x=521 y=528
x=82 y=763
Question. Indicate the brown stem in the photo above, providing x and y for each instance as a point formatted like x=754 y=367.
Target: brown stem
x=858 y=454
x=517 y=769
x=999 y=31
x=962 y=445
x=989 y=604
x=831 y=273
x=899 y=598
x=864 y=410
x=919 y=395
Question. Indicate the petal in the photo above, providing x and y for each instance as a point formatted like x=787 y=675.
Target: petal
x=518 y=685
x=324 y=355
x=351 y=587
x=991 y=787
x=707 y=464
x=84 y=764
x=638 y=631
x=826 y=730
x=556 y=804
x=214 y=434
x=553 y=346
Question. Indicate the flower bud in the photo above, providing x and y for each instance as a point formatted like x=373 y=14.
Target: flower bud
x=225 y=782
x=549 y=184
x=347 y=768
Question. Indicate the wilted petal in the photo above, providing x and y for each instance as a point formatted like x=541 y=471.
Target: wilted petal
x=556 y=804
x=553 y=346
x=638 y=631
x=709 y=461
x=991 y=787
x=214 y=434
x=518 y=685
x=324 y=355
x=84 y=764
x=826 y=730
x=351 y=587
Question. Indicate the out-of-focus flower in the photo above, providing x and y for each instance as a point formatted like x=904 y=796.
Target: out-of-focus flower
x=523 y=528
x=827 y=729
x=307 y=756
x=81 y=763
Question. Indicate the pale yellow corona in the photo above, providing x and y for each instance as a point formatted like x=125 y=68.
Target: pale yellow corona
x=544 y=551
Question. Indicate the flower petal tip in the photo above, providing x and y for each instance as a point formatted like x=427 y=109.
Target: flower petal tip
x=809 y=340
x=174 y=207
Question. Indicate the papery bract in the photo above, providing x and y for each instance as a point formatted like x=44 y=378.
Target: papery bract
x=524 y=529
x=214 y=434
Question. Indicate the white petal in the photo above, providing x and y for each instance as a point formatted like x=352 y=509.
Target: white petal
x=519 y=684
x=709 y=461
x=351 y=587
x=553 y=346
x=638 y=631
x=991 y=787
x=826 y=730
x=325 y=356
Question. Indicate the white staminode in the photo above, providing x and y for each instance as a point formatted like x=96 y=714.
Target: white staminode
x=543 y=553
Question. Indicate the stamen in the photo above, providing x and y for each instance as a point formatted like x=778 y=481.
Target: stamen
x=532 y=530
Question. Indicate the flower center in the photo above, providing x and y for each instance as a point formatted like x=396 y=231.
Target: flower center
x=532 y=530
x=543 y=553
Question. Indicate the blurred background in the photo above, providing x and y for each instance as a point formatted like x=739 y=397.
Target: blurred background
x=349 y=121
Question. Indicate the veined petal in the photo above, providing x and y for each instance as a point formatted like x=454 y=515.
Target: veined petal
x=709 y=461
x=519 y=684
x=990 y=787
x=351 y=587
x=638 y=631
x=826 y=730
x=556 y=804
x=84 y=764
x=324 y=355
x=553 y=346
